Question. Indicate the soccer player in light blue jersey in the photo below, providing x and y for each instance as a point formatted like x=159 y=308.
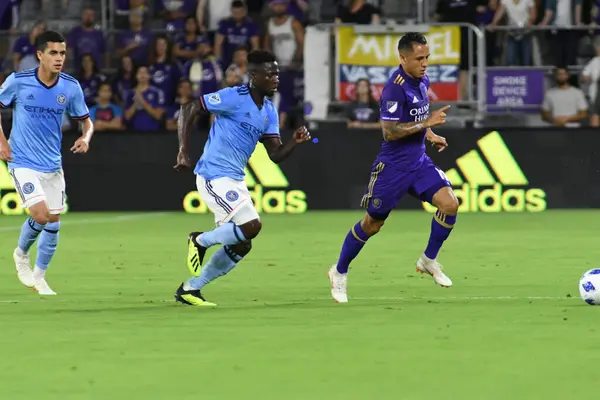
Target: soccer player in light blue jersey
x=244 y=116
x=40 y=97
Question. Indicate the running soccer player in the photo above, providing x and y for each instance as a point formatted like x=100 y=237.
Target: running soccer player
x=403 y=167
x=244 y=116
x=40 y=97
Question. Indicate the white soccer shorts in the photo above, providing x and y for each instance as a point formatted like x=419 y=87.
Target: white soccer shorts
x=34 y=187
x=228 y=199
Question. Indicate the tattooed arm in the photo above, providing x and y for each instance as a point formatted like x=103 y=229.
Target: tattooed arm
x=393 y=130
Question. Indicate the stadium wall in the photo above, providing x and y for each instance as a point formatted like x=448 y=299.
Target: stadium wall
x=516 y=170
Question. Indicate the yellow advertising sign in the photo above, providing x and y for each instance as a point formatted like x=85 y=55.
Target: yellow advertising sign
x=480 y=191
x=382 y=49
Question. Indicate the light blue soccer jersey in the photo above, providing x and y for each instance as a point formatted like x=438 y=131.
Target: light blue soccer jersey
x=239 y=125
x=36 y=134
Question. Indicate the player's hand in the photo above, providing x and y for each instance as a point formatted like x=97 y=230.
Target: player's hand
x=438 y=117
x=81 y=146
x=301 y=135
x=5 y=151
x=183 y=161
x=438 y=142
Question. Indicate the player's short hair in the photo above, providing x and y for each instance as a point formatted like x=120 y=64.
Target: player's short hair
x=259 y=57
x=41 y=42
x=406 y=42
x=238 y=4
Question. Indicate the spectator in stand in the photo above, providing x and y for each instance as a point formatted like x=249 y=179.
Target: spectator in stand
x=163 y=70
x=521 y=16
x=88 y=39
x=364 y=111
x=285 y=38
x=204 y=72
x=105 y=115
x=591 y=75
x=485 y=15
x=461 y=11
x=236 y=31
x=9 y=21
x=232 y=78
x=564 y=105
x=135 y=42
x=240 y=64
x=24 y=52
x=184 y=95
x=123 y=81
x=124 y=8
x=145 y=104
x=174 y=12
x=358 y=12
x=90 y=79
x=296 y=8
x=216 y=11
x=563 y=41
x=186 y=45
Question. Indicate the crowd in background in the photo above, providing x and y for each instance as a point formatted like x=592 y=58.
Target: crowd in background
x=136 y=77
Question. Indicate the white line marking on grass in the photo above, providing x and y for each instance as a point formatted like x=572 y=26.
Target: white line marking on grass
x=300 y=300
x=101 y=220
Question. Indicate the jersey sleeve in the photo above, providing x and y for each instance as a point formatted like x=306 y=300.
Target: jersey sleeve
x=8 y=91
x=392 y=103
x=224 y=101
x=77 y=108
x=272 y=129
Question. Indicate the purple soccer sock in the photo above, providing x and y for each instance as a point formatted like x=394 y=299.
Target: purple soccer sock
x=353 y=244
x=441 y=226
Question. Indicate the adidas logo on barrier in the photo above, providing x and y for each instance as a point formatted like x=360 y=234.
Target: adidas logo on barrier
x=268 y=188
x=480 y=190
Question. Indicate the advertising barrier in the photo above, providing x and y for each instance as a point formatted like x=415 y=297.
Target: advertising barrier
x=510 y=170
x=375 y=57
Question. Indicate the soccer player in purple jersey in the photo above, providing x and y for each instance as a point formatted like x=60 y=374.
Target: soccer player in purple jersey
x=403 y=167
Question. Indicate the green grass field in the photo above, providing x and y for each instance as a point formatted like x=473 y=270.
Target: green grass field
x=512 y=326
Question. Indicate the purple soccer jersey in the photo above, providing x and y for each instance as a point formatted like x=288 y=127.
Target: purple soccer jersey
x=402 y=166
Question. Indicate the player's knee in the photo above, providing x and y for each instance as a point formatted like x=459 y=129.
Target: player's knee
x=371 y=226
x=41 y=218
x=241 y=249
x=251 y=229
x=53 y=218
x=449 y=206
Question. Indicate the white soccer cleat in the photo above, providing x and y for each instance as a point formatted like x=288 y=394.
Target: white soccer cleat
x=426 y=265
x=339 y=283
x=23 y=266
x=40 y=284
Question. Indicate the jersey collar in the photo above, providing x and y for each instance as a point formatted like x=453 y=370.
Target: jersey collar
x=42 y=83
x=408 y=78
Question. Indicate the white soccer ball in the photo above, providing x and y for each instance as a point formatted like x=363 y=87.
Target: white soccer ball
x=589 y=287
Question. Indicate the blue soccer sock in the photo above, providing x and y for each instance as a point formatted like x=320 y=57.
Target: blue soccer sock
x=29 y=232
x=441 y=226
x=226 y=234
x=353 y=244
x=47 y=245
x=223 y=261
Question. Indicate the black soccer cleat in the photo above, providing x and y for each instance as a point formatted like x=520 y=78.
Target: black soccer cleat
x=192 y=298
x=196 y=254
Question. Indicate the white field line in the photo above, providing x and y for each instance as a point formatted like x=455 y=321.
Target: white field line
x=120 y=218
x=300 y=300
